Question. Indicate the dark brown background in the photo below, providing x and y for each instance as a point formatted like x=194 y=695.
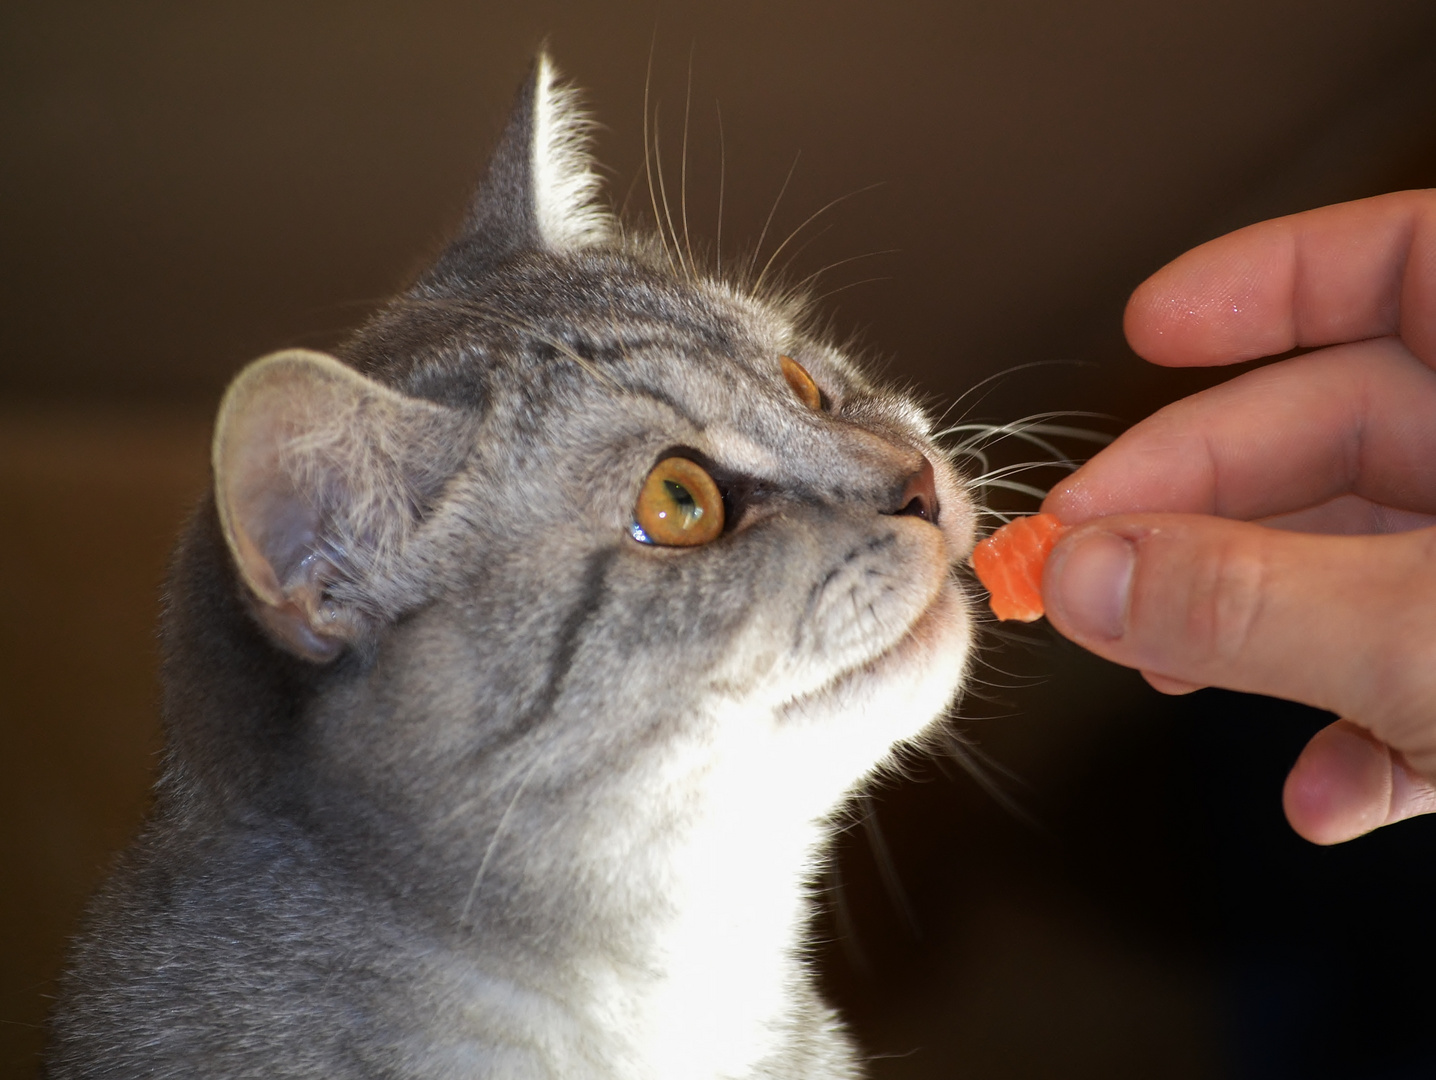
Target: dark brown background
x=186 y=186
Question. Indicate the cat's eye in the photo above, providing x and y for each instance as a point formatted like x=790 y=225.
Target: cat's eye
x=801 y=382
x=679 y=506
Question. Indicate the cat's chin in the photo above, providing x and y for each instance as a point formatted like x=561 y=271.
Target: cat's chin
x=926 y=665
x=893 y=697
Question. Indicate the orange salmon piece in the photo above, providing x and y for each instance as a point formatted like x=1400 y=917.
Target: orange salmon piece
x=1009 y=564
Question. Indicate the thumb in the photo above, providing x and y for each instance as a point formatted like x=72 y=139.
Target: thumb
x=1345 y=623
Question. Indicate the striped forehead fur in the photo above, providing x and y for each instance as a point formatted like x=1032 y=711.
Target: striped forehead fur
x=565 y=186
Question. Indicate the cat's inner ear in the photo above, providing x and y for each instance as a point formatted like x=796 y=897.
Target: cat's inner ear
x=541 y=189
x=321 y=475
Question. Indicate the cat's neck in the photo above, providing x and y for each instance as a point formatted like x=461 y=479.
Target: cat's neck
x=738 y=879
x=691 y=963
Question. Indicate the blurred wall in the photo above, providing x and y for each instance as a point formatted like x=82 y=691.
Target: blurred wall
x=188 y=186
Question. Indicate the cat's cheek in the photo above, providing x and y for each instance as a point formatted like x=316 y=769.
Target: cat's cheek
x=871 y=589
x=919 y=682
x=897 y=638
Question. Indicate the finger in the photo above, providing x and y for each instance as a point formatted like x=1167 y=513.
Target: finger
x=1286 y=437
x=1341 y=273
x=1346 y=783
x=1343 y=623
x=1164 y=684
x=1350 y=515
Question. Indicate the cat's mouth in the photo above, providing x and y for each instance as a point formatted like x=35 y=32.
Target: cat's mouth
x=911 y=681
x=942 y=624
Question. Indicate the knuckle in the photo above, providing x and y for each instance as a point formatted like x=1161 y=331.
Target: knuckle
x=1225 y=601
x=1400 y=690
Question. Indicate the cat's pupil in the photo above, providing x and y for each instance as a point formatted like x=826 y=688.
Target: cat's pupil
x=684 y=504
x=679 y=505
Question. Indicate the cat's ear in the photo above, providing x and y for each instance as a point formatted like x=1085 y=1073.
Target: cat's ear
x=321 y=476
x=541 y=190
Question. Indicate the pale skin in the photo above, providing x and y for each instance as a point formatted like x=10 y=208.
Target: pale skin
x=1277 y=533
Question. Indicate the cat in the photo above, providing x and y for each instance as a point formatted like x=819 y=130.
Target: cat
x=516 y=668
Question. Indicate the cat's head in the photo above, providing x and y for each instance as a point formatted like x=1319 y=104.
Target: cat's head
x=568 y=498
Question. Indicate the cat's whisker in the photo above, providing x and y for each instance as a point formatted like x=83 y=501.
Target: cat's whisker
x=1034 y=433
x=722 y=177
x=1055 y=456
x=972 y=453
x=887 y=868
x=850 y=285
x=986 y=658
x=794 y=293
x=842 y=914
x=647 y=161
x=763 y=234
x=1014 y=485
x=1068 y=432
x=494 y=840
x=800 y=291
x=1016 y=637
x=801 y=286
x=990 y=692
x=663 y=198
x=1017 y=468
x=1034 y=422
x=628 y=196
x=683 y=169
x=995 y=691
x=1004 y=373
x=981 y=766
x=895 y=1055
x=758 y=285
x=1037 y=430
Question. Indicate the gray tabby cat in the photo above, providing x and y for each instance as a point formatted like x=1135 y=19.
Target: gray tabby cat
x=515 y=669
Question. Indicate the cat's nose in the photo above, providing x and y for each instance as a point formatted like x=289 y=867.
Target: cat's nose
x=919 y=495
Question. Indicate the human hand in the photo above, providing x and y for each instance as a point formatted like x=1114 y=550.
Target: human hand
x=1274 y=534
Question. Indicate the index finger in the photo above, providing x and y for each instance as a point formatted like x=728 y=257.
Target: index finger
x=1348 y=272
x=1351 y=419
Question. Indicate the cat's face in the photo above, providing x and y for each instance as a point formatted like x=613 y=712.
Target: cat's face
x=468 y=529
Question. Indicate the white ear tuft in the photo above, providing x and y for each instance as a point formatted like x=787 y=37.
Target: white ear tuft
x=565 y=186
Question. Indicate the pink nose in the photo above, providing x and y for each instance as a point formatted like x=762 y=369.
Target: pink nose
x=919 y=495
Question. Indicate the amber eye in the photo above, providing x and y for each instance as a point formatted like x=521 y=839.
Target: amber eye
x=802 y=383
x=679 y=506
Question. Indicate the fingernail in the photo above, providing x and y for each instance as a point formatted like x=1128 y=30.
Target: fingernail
x=1094 y=576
